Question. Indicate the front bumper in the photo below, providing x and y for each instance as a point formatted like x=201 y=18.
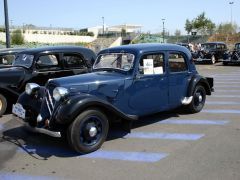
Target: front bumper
x=38 y=130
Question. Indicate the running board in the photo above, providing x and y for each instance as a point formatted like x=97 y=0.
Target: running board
x=187 y=100
x=43 y=131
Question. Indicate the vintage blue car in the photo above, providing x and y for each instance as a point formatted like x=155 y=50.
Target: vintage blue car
x=127 y=82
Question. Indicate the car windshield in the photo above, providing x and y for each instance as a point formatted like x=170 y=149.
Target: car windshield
x=24 y=60
x=120 y=61
x=209 y=46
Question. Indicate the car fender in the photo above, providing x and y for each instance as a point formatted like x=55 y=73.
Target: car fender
x=197 y=79
x=68 y=110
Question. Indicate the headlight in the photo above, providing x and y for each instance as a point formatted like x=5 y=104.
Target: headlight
x=31 y=88
x=59 y=92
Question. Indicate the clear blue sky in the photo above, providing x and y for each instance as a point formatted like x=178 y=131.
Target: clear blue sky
x=80 y=14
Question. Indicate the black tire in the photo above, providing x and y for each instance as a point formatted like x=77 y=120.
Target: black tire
x=3 y=104
x=213 y=59
x=198 y=101
x=79 y=132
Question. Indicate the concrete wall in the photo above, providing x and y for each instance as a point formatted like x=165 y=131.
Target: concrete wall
x=118 y=42
x=48 y=38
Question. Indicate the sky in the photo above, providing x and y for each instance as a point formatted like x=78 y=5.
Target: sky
x=79 y=14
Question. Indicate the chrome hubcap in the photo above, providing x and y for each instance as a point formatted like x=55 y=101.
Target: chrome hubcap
x=200 y=98
x=92 y=131
x=0 y=104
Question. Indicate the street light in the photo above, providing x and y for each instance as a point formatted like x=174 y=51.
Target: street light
x=163 y=30
x=6 y=24
x=231 y=4
x=103 y=25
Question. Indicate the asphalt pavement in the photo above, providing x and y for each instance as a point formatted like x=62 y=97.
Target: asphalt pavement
x=170 y=145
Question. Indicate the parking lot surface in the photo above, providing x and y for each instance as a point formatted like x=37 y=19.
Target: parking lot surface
x=169 y=145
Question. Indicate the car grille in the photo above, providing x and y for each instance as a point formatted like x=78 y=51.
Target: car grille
x=50 y=102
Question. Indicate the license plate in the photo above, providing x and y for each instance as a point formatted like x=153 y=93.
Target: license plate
x=19 y=110
x=199 y=59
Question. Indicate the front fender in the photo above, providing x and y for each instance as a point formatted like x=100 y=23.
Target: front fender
x=197 y=79
x=67 y=111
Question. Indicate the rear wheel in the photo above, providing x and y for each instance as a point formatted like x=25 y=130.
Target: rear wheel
x=199 y=97
x=3 y=104
x=88 y=131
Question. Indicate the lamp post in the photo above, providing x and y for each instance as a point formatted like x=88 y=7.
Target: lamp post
x=231 y=4
x=103 y=25
x=6 y=24
x=163 y=30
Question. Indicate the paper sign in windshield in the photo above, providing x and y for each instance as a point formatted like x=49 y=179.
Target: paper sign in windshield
x=148 y=66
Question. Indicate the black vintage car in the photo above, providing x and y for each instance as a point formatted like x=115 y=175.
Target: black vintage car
x=234 y=56
x=211 y=52
x=39 y=65
x=8 y=55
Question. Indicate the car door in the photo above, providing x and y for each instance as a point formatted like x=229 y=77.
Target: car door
x=179 y=77
x=47 y=66
x=74 y=63
x=149 y=91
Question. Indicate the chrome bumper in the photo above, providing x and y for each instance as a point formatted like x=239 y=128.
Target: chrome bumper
x=38 y=130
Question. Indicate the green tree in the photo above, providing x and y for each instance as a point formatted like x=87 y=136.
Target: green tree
x=17 y=37
x=201 y=24
x=188 y=26
x=227 y=28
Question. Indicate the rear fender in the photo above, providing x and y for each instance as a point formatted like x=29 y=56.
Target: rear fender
x=197 y=79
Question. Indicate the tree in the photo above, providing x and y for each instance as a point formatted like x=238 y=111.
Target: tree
x=201 y=24
x=17 y=37
x=188 y=26
x=227 y=28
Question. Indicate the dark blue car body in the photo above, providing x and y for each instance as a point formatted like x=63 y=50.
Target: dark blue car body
x=124 y=94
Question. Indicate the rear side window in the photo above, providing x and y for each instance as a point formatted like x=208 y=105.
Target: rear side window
x=48 y=62
x=74 y=61
x=177 y=62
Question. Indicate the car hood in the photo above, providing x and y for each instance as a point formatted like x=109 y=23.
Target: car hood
x=11 y=75
x=97 y=82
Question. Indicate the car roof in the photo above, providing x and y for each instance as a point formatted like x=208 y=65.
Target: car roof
x=11 y=50
x=214 y=43
x=146 y=47
x=55 y=49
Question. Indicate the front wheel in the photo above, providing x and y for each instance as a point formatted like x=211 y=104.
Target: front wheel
x=3 y=104
x=199 y=97
x=213 y=59
x=88 y=131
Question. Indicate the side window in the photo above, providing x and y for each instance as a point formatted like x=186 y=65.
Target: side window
x=48 y=62
x=152 y=64
x=177 y=62
x=73 y=61
x=7 y=59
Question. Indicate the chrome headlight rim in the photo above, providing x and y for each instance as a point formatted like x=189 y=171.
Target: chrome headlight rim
x=59 y=93
x=31 y=88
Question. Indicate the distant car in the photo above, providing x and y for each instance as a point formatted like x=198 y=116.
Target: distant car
x=185 y=45
x=234 y=56
x=211 y=52
x=40 y=64
x=8 y=55
x=127 y=82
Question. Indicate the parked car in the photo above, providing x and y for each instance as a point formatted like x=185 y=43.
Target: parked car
x=211 y=52
x=234 y=56
x=127 y=82
x=8 y=55
x=186 y=45
x=38 y=65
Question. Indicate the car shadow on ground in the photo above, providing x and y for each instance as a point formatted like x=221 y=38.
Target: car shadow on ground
x=42 y=147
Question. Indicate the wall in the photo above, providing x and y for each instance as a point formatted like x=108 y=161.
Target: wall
x=48 y=38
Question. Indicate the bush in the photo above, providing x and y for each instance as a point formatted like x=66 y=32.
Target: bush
x=17 y=37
